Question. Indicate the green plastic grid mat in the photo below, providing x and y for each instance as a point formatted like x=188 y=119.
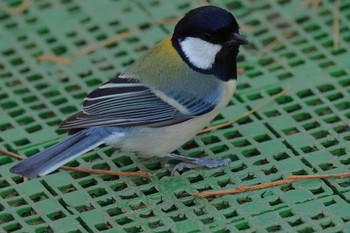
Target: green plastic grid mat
x=304 y=132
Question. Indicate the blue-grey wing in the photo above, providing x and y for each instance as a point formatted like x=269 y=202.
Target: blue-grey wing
x=126 y=102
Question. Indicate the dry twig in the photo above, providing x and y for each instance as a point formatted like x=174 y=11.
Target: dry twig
x=240 y=70
x=242 y=189
x=203 y=2
x=260 y=106
x=320 y=176
x=310 y=3
x=273 y=44
x=315 y=3
x=289 y=180
x=336 y=25
x=85 y=51
x=85 y=170
x=18 y=9
x=171 y=20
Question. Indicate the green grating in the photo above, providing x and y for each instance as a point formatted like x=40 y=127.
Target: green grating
x=305 y=131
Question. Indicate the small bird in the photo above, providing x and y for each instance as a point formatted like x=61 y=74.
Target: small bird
x=163 y=100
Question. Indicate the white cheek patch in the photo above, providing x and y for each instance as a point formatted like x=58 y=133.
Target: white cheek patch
x=199 y=52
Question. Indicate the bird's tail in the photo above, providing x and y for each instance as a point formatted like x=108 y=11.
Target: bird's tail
x=56 y=156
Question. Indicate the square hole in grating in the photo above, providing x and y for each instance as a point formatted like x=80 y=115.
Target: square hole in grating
x=302 y=116
x=309 y=149
x=327 y=166
x=114 y=211
x=320 y=134
x=305 y=93
x=122 y=161
x=17 y=202
x=314 y=102
x=103 y=226
x=311 y=125
x=56 y=215
x=286 y=213
x=12 y=227
x=97 y=192
x=330 y=143
x=269 y=171
x=35 y=221
x=219 y=148
x=241 y=143
x=242 y=226
x=150 y=191
x=123 y=220
x=26 y=212
x=5 y=217
x=38 y=197
x=134 y=229
x=272 y=113
x=148 y=214
x=262 y=138
x=297 y=222
x=281 y=156
x=67 y=188
x=317 y=191
x=274 y=228
x=155 y=224
x=332 y=119
x=292 y=108
x=9 y=193
x=343 y=105
x=291 y=131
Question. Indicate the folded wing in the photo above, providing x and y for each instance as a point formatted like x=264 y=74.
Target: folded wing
x=125 y=102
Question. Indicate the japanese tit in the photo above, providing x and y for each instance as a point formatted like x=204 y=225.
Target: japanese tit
x=163 y=100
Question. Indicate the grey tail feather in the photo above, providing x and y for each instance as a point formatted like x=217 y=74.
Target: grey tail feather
x=56 y=156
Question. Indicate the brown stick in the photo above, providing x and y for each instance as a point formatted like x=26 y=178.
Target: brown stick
x=85 y=51
x=320 y=176
x=315 y=3
x=85 y=170
x=203 y=2
x=240 y=70
x=102 y=44
x=289 y=180
x=54 y=59
x=273 y=44
x=172 y=20
x=336 y=25
x=242 y=189
x=13 y=155
x=18 y=9
x=260 y=106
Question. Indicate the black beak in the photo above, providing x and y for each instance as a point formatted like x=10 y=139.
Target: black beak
x=239 y=39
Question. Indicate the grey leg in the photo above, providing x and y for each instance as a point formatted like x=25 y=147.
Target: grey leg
x=189 y=162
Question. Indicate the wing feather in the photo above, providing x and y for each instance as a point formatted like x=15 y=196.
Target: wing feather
x=125 y=102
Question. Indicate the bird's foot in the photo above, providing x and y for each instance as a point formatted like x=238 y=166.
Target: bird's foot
x=189 y=163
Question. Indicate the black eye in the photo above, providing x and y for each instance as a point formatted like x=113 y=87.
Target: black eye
x=208 y=36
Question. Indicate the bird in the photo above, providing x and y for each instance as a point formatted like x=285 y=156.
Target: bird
x=161 y=101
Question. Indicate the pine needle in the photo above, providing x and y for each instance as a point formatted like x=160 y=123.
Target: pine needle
x=289 y=180
x=18 y=9
x=85 y=51
x=336 y=25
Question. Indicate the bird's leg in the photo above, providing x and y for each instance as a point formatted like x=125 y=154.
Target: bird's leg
x=189 y=162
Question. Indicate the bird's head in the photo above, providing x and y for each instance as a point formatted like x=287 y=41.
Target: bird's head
x=208 y=39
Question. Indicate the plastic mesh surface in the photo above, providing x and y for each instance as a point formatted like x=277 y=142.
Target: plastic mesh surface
x=305 y=131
